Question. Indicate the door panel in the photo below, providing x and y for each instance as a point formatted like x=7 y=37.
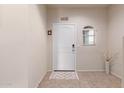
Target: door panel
x=64 y=46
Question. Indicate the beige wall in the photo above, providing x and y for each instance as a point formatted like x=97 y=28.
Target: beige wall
x=37 y=44
x=116 y=33
x=88 y=58
x=13 y=63
x=23 y=45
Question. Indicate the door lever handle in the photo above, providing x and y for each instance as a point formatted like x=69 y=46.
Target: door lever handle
x=73 y=46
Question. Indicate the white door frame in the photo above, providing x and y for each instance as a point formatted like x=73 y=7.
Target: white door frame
x=122 y=81
x=53 y=42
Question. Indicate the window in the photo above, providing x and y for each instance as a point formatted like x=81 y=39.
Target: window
x=88 y=36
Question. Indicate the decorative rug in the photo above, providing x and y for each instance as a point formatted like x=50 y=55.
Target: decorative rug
x=64 y=75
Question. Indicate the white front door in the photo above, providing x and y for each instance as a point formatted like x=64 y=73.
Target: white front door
x=64 y=44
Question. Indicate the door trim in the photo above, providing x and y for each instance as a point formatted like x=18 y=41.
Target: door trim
x=122 y=81
x=75 y=37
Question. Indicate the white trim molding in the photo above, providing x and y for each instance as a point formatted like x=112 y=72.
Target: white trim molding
x=116 y=75
x=91 y=70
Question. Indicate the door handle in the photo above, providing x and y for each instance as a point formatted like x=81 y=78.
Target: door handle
x=73 y=46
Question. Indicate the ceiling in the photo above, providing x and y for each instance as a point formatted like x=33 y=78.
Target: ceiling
x=77 y=5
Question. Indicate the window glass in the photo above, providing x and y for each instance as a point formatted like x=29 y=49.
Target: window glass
x=88 y=36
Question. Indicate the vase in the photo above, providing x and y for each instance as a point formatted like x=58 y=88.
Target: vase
x=107 y=67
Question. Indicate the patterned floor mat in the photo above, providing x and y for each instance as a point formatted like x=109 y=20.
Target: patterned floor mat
x=64 y=75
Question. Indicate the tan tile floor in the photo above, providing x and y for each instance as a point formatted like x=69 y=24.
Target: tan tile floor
x=86 y=80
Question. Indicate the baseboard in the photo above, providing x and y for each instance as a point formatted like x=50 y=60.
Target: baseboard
x=118 y=76
x=41 y=79
x=89 y=70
